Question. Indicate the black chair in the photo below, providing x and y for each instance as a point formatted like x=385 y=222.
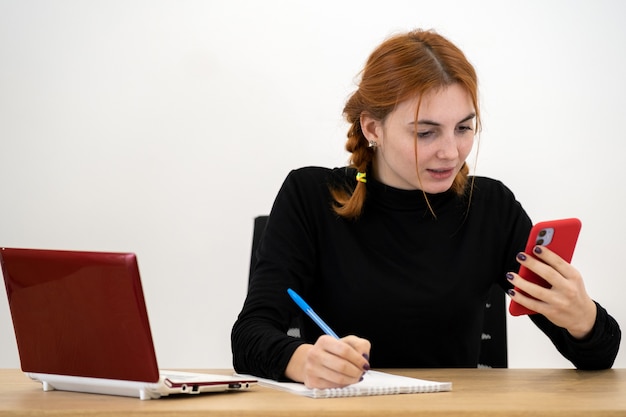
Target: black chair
x=493 y=351
x=493 y=348
x=259 y=228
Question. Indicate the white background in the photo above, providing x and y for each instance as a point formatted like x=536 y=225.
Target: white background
x=163 y=127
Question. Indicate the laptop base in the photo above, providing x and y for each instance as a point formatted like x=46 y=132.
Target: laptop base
x=195 y=384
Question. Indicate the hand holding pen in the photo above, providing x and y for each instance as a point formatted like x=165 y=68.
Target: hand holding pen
x=332 y=361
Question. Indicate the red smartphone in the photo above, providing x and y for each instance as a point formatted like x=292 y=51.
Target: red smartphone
x=559 y=236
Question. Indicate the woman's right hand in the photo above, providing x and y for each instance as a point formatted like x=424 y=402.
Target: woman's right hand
x=330 y=363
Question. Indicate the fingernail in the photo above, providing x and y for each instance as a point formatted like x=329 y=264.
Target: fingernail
x=366 y=356
x=366 y=367
x=509 y=275
x=537 y=249
x=521 y=256
x=361 y=379
x=511 y=292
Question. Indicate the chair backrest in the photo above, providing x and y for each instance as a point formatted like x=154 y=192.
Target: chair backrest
x=259 y=228
x=493 y=347
x=493 y=350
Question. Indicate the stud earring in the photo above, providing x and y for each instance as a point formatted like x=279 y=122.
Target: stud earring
x=372 y=144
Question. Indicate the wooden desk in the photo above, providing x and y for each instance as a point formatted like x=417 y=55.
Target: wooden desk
x=475 y=392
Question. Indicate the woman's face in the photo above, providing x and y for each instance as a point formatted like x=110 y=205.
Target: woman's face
x=445 y=135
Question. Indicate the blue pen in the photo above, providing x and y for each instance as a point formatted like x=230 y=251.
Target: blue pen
x=309 y=311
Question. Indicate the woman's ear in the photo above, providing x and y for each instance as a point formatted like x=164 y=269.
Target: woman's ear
x=372 y=128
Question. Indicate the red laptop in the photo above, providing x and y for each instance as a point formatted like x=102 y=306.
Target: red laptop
x=81 y=324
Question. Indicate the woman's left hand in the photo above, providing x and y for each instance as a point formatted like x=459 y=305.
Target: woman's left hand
x=566 y=303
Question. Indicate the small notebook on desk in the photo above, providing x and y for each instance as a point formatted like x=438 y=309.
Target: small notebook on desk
x=374 y=383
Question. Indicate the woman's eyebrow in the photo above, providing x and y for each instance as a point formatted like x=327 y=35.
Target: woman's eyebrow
x=433 y=123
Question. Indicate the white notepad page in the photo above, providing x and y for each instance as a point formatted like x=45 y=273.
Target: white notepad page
x=373 y=383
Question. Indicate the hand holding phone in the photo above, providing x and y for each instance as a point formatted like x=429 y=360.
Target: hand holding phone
x=560 y=236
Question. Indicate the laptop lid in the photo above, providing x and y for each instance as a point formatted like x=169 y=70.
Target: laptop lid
x=79 y=314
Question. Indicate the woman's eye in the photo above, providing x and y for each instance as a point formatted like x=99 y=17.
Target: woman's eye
x=464 y=129
x=423 y=135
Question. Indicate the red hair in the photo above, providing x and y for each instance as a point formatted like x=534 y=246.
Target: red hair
x=402 y=67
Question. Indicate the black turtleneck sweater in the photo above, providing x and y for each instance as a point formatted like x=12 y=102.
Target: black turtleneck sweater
x=413 y=284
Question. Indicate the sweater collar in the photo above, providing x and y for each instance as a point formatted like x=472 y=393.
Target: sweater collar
x=382 y=195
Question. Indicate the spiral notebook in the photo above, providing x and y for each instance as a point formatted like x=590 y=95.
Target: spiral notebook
x=374 y=383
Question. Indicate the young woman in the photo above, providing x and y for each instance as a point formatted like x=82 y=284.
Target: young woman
x=398 y=251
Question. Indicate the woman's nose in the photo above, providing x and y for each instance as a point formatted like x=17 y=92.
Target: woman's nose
x=447 y=147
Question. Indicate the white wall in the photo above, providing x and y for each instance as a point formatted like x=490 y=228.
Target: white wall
x=163 y=127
